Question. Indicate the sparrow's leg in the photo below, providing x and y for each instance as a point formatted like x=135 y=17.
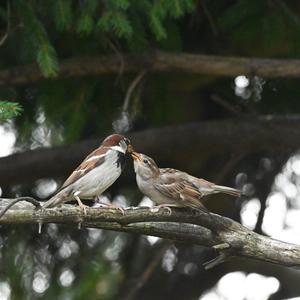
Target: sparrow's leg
x=81 y=205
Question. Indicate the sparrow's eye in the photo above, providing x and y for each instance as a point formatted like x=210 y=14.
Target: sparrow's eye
x=145 y=161
x=127 y=141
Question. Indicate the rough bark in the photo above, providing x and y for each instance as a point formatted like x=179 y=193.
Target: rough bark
x=229 y=238
x=171 y=144
x=157 y=62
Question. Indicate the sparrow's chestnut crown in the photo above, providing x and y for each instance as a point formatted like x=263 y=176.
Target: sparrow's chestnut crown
x=118 y=140
x=114 y=140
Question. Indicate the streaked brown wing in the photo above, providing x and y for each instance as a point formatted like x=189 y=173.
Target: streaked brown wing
x=183 y=192
x=172 y=183
x=171 y=190
x=93 y=160
x=191 y=197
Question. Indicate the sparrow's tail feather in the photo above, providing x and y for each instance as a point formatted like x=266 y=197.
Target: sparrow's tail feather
x=227 y=190
x=194 y=203
x=57 y=199
x=198 y=206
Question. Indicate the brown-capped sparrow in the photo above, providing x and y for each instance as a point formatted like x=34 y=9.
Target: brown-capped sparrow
x=95 y=174
x=170 y=187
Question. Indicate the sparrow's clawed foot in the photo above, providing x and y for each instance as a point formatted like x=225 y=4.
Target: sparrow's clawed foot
x=81 y=205
x=110 y=205
x=167 y=206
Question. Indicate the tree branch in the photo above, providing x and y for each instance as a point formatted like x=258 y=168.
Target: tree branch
x=181 y=225
x=202 y=140
x=157 y=62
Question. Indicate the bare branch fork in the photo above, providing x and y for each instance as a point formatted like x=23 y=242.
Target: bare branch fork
x=229 y=238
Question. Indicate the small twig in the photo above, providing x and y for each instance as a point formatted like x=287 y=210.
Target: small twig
x=119 y=55
x=132 y=87
x=31 y=200
x=144 y=277
x=231 y=108
x=222 y=246
x=233 y=161
x=123 y=123
x=285 y=8
x=224 y=253
x=209 y=18
x=216 y=261
x=3 y=39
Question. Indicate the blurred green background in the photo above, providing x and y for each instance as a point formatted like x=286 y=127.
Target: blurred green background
x=75 y=112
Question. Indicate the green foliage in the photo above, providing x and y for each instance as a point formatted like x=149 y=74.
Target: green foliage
x=157 y=14
x=3 y=13
x=119 y=4
x=162 y=10
x=49 y=29
x=79 y=108
x=9 y=110
x=116 y=22
x=273 y=27
x=36 y=34
x=85 y=24
x=62 y=14
x=135 y=24
x=46 y=58
x=239 y=11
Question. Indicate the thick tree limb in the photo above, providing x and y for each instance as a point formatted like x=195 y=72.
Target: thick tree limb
x=182 y=225
x=158 y=62
x=170 y=145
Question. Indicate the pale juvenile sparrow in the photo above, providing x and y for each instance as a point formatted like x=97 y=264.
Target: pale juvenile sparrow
x=170 y=187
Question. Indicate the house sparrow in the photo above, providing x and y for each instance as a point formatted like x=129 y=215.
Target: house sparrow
x=170 y=187
x=95 y=174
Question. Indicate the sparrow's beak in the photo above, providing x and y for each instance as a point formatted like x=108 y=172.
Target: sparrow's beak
x=130 y=149
x=135 y=156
